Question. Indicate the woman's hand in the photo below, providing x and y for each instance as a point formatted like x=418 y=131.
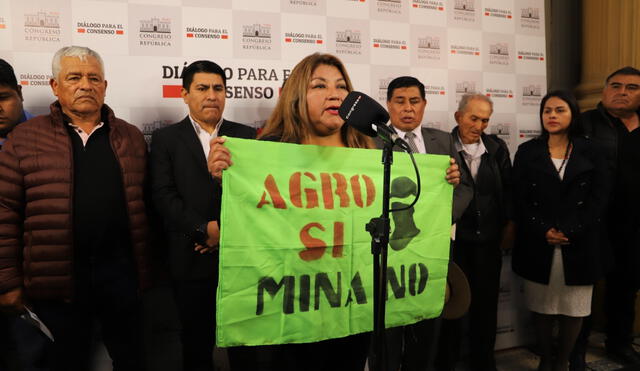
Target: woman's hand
x=219 y=158
x=555 y=237
x=453 y=173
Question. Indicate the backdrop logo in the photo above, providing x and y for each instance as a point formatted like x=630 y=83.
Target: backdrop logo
x=156 y=25
x=42 y=26
x=531 y=56
x=498 y=13
x=531 y=95
x=530 y=18
x=502 y=129
x=303 y=38
x=499 y=93
x=34 y=79
x=428 y=4
x=464 y=10
x=389 y=44
x=465 y=50
x=3 y=23
x=530 y=13
x=99 y=28
x=465 y=5
x=434 y=90
x=429 y=48
x=389 y=6
x=207 y=33
x=155 y=32
x=256 y=37
x=383 y=84
x=529 y=133
x=149 y=127
x=532 y=90
x=303 y=2
x=348 y=42
x=466 y=86
x=499 y=54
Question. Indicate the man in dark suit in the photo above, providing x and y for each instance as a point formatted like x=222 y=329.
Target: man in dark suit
x=188 y=199
x=480 y=233
x=412 y=347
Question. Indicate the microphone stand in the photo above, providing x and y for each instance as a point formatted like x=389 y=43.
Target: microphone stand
x=379 y=228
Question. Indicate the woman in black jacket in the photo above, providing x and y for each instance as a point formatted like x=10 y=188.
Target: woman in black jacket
x=561 y=190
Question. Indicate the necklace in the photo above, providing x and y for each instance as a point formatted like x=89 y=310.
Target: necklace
x=564 y=158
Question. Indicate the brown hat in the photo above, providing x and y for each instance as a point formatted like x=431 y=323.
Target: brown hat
x=457 y=297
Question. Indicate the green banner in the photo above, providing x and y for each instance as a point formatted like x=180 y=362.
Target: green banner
x=295 y=259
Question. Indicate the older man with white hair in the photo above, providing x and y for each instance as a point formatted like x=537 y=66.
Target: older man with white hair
x=73 y=226
x=482 y=233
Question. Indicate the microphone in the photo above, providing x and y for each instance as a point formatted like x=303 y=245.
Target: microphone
x=362 y=112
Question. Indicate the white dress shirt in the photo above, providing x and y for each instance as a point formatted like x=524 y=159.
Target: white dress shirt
x=204 y=137
x=419 y=140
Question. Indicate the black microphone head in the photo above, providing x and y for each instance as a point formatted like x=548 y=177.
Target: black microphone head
x=361 y=111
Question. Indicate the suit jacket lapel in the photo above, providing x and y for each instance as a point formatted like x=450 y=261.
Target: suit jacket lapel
x=429 y=141
x=542 y=161
x=577 y=163
x=191 y=141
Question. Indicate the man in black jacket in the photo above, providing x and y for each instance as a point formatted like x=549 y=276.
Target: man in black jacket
x=613 y=126
x=188 y=199
x=479 y=233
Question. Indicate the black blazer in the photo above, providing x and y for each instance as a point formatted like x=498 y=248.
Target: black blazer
x=438 y=142
x=491 y=206
x=574 y=205
x=185 y=195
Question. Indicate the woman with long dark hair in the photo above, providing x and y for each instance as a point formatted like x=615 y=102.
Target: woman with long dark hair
x=561 y=190
x=307 y=113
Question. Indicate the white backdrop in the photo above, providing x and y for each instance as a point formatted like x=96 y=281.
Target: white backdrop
x=495 y=47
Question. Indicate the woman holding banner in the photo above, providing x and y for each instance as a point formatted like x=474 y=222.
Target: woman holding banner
x=307 y=113
x=561 y=190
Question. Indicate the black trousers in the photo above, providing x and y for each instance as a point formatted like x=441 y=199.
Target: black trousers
x=412 y=347
x=196 y=303
x=24 y=347
x=481 y=263
x=619 y=306
x=343 y=354
x=9 y=360
x=106 y=293
x=621 y=287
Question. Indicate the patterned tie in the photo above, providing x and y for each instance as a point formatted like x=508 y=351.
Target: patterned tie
x=410 y=138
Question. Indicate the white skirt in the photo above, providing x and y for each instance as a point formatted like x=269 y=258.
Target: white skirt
x=556 y=297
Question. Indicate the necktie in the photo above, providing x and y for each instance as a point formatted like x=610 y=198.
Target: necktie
x=410 y=138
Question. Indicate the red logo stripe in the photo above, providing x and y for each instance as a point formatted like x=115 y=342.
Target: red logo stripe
x=171 y=91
